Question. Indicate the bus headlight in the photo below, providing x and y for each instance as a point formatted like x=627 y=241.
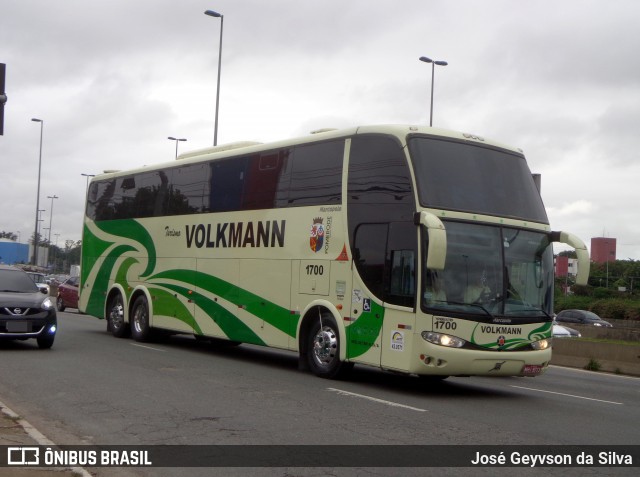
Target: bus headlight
x=541 y=344
x=442 y=339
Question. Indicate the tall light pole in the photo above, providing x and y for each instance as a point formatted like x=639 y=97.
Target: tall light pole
x=433 y=67
x=35 y=234
x=176 y=140
x=54 y=251
x=211 y=13
x=40 y=219
x=87 y=176
x=51 y=215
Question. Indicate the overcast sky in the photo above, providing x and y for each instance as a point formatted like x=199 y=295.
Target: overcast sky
x=112 y=79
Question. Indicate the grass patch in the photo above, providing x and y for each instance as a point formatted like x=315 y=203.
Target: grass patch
x=593 y=365
x=609 y=341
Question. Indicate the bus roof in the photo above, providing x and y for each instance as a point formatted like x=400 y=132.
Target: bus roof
x=251 y=147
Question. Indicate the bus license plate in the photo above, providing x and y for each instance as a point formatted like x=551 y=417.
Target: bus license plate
x=532 y=369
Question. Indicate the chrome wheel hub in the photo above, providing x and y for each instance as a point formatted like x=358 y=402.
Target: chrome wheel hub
x=325 y=346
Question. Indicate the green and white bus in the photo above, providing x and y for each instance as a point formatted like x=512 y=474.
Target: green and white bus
x=411 y=249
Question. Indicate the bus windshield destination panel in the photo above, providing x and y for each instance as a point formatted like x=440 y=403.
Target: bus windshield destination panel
x=417 y=250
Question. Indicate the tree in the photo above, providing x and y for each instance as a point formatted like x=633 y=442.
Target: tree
x=8 y=235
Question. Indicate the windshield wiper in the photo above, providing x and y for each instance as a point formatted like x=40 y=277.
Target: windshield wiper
x=537 y=309
x=457 y=303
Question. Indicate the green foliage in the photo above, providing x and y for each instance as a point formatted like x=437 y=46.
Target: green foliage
x=608 y=303
x=600 y=293
x=8 y=235
x=593 y=365
x=572 y=302
x=582 y=290
x=607 y=308
x=614 y=309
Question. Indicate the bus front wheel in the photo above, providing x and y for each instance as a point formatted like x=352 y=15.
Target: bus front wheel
x=115 y=318
x=140 y=329
x=323 y=348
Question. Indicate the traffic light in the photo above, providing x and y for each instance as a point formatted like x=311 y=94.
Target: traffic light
x=3 y=96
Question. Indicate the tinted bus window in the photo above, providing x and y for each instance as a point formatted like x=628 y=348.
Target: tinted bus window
x=316 y=174
x=227 y=184
x=189 y=190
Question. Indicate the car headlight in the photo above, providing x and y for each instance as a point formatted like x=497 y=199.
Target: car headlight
x=443 y=339
x=48 y=303
x=542 y=344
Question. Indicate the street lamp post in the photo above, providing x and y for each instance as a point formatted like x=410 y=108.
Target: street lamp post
x=176 y=140
x=54 y=251
x=433 y=67
x=40 y=219
x=211 y=13
x=87 y=176
x=35 y=234
x=51 y=215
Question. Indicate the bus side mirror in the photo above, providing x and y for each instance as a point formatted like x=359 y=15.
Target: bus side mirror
x=437 y=250
x=581 y=251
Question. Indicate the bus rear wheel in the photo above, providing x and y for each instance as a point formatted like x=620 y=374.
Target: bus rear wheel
x=140 y=329
x=115 y=318
x=323 y=349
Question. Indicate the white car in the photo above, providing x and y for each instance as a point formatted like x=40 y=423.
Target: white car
x=40 y=281
x=560 y=331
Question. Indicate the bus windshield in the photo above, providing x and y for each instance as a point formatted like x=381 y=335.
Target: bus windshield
x=461 y=176
x=492 y=271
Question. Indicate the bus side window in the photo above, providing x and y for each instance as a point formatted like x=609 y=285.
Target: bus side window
x=370 y=242
x=263 y=176
x=401 y=264
x=316 y=174
x=227 y=184
x=403 y=272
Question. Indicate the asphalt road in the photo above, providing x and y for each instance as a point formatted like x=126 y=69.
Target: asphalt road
x=92 y=388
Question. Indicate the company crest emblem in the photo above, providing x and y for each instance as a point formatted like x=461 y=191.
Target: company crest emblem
x=501 y=340
x=316 y=239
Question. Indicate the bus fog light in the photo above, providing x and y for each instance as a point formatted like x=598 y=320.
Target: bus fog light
x=542 y=344
x=442 y=339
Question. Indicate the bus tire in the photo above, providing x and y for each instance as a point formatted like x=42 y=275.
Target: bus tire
x=140 y=329
x=323 y=349
x=115 y=317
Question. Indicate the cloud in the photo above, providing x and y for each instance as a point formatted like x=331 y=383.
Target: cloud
x=112 y=79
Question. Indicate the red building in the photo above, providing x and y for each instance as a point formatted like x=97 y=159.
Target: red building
x=603 y=249
x=562 y=266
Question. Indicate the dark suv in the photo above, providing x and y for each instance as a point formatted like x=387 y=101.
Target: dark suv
x=582 y=317
x=25 y=311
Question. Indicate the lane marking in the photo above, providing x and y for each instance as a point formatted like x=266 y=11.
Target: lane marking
x=148 y=347
x=600 y=373
x=38 y=437
x=381 y=401
x=569 y=395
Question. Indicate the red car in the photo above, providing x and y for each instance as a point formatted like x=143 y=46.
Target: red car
x=68 y=294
